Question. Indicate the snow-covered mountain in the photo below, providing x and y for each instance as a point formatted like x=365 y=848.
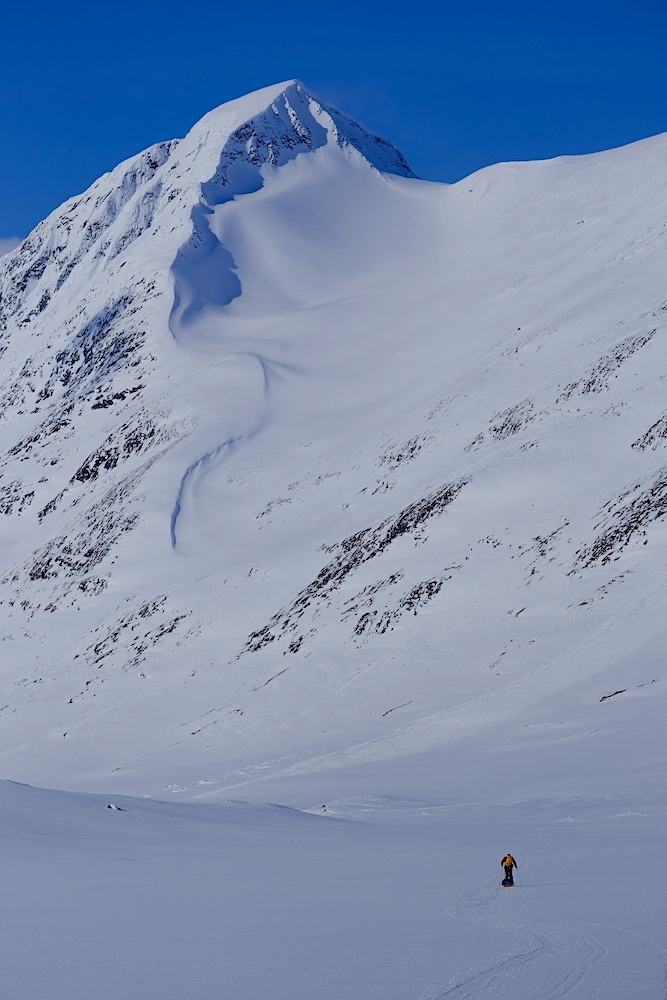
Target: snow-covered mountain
x=306 y=462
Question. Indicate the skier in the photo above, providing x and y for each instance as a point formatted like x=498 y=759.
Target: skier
x=508 y=863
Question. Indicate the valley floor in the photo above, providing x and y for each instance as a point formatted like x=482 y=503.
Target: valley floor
x=376 y=896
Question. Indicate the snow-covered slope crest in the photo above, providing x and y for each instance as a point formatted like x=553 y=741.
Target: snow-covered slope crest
x=104 y=403
x=84 y=303
x=223 y=153
x=294 y=122
x=306 y=461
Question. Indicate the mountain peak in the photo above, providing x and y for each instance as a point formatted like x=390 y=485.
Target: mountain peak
x=285 y=438
x=275 y=123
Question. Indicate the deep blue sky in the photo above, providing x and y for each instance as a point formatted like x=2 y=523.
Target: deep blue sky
x=456 y=85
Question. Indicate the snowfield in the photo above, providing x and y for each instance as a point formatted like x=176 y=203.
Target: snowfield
x=324 y=485
x=384 y=897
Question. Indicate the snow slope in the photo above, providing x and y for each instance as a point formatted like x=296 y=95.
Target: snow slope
x=322 y=484
x=305 y=460
x=385 y=898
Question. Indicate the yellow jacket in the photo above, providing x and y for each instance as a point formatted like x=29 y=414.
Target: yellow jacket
x=508 y=861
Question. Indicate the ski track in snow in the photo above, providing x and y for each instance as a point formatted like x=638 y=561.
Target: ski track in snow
x=556 y=960
x=547 y=945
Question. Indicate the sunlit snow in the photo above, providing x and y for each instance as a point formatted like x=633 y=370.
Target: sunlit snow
x=326 y=486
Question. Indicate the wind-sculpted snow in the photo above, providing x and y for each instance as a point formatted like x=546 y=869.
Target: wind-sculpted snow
x=142 y=219
x=108 y=206
x=295 y=123
x=204 y=270
x=263 y=390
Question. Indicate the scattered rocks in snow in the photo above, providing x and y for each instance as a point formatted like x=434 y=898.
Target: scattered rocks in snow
x=613 y=694
x=511 y=420
x=351 y=553
x=129 y=635
x=654 y=437
x=597 y=379
x=95 y=532
x=396 y=455
x=476 y=442
x=623 y=519
x=132 y=438
x=382 y=620
x=14 y=496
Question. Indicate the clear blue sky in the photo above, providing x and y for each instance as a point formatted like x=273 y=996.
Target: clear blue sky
x=455 y=85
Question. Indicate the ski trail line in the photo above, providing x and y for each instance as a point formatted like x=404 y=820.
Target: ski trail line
x=556 y=959
x=552 y=963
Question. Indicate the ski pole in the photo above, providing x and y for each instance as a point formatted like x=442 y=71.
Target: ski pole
x=520 y=879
